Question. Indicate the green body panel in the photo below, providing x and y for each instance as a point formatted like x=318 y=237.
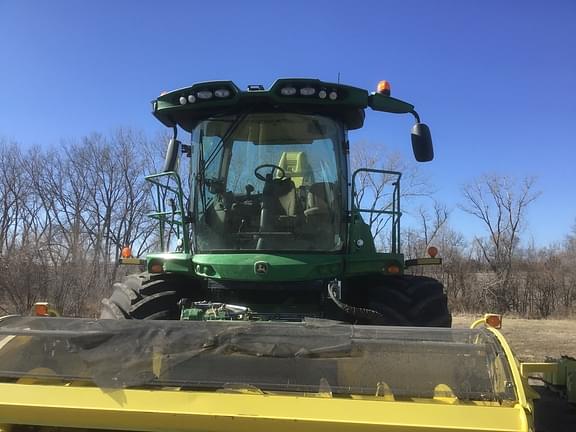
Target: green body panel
x=372 y=263
x=280 y=267
x=172 y=262
x=361 y=242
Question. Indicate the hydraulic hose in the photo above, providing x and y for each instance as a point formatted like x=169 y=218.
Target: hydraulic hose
x=362 y=313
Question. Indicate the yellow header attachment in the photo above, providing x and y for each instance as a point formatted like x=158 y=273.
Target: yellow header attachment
x=256 y=376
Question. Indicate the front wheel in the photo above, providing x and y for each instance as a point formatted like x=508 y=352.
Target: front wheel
x=403 y=300
x=146 y=296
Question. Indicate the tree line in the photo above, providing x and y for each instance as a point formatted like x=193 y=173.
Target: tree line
x=65 y=214
x=67 y=211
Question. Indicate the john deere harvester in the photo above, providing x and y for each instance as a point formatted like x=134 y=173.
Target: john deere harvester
x=268 y=306
x=265 y=227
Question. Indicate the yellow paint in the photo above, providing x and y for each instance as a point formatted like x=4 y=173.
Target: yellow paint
x=530 y=368
x=158 y=410
x=444 y=393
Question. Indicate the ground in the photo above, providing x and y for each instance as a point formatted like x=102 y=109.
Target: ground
x=534 y=340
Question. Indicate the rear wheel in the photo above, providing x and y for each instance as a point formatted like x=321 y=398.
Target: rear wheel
x=146 y=296
x=403 y=300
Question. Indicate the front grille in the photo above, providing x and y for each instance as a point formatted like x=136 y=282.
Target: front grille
x=315 y=285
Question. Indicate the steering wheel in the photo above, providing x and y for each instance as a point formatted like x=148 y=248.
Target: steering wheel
x=274 y=168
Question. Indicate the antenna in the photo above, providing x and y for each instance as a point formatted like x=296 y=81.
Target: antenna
x=338 y=77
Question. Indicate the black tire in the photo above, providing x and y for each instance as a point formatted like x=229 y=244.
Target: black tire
x=402 y=300
x=146 y=296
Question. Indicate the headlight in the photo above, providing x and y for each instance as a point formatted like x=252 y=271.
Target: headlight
x=204 y=94
x=307 y=91
x=288 y=91
x=222 y=93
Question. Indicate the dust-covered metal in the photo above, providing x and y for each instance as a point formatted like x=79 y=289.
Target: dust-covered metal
x=268 y=356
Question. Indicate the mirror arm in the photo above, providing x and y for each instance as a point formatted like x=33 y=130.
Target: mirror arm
x=416 y=116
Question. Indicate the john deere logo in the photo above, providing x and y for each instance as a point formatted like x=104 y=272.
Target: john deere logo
x=260 y=267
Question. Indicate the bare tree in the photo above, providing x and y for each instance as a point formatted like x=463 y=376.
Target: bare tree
x=500 y=203
x=374 y=191
x=429 y=231
x=65 y=214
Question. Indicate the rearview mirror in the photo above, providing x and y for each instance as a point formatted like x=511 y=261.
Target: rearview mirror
x=422 y=143
x=171 y=155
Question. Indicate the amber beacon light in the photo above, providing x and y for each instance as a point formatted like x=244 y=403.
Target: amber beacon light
x=383 y=88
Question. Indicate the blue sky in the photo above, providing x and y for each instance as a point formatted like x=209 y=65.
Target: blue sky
x=496 y=81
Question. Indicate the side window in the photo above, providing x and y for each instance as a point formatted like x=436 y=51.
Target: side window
x=322 y=161
x=212 y=169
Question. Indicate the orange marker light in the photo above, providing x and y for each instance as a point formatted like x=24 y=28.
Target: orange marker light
x=41 y=309
x=433 y=251
x=493 y=320
x=383 y=88
x=156 y=267
x=393 y=268
x=126 y=252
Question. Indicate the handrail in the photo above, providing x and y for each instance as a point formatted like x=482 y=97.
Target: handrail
x=165 y=217
x=395 y=213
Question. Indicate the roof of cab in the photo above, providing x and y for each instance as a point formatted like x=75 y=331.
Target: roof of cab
x=187 y=106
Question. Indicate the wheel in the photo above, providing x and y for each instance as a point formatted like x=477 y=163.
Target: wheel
x=274 y=168
x=402 y=300
x=146 y=296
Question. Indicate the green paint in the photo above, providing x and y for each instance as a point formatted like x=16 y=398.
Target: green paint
x=280 y=267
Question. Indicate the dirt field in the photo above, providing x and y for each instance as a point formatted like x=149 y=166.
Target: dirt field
x=534 y=340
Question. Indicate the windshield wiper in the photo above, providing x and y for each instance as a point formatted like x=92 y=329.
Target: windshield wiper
x=205 y=163
x=231 y=129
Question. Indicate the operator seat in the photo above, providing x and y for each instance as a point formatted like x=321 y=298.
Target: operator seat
x=279 y=212
x=319 y=199
x=285 y=192
x=320 y=214
x=296 y=167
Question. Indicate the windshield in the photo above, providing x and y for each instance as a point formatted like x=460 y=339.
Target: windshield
x=269 y=181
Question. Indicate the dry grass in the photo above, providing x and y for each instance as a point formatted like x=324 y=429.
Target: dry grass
x=534 y=340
